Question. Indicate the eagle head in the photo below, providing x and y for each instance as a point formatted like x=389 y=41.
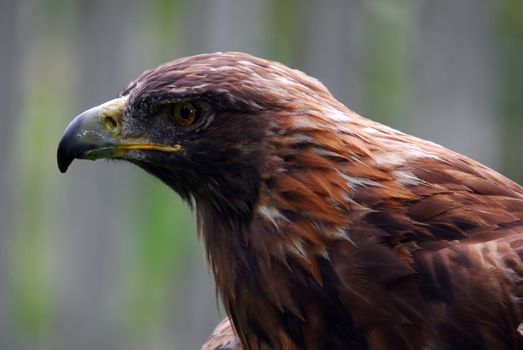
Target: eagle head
x=201 y=124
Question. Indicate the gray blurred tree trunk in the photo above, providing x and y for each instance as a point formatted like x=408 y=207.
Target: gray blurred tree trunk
x=10 y=40
x=453 y=77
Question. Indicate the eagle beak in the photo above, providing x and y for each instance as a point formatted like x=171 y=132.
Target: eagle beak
x=96 y=133
x=93 y=134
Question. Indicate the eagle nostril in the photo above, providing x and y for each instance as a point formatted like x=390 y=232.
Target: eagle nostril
x=109 y=122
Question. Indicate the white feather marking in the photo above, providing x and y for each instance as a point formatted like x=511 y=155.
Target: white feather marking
x=227 y=94
x=304 y=123
x=201 y=86
x=373 y=131
x=343 y=128
x=348 y=198
x=271 y=214
x=208 y=121
x=406 y=178
x=246 y=63
x=298 y=247
x=388 y=158
x=222 y=90
x=520 y=328
x=356 y=181
x=479 y=251
x=325 y=153
x=403 y=152
x=337 y=115
x=275 y=67
x=302 y=138
x=286 y=81
x=253 y=104
x=325 y=254
x=225 y=68
x=341 y=233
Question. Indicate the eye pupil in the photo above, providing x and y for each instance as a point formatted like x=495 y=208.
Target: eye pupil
x=185 y=112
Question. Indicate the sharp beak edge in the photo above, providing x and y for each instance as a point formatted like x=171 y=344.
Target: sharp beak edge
x=91 y=135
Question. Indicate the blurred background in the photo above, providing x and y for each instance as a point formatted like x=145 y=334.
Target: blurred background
x=106 y=257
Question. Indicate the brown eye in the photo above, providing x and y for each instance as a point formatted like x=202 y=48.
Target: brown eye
x=186 y=113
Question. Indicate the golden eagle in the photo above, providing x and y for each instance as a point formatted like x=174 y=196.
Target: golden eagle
x=323 y=229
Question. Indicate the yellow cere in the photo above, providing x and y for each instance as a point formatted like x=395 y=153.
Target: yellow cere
x=111 y=113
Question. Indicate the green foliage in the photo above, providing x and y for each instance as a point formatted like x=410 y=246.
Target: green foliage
x=34 y=254
x=387 y=79
x=510 y=82
x=162 y=239
x=285 y=30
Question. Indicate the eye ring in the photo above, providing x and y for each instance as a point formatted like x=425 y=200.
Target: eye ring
x=186 y=113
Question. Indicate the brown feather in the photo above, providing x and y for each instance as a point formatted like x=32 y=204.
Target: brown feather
x=326 y=230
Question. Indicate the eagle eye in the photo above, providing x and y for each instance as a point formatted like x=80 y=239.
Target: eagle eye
x=186 y=113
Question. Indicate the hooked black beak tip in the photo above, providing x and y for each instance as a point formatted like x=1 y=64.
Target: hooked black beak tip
x=68 y=147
